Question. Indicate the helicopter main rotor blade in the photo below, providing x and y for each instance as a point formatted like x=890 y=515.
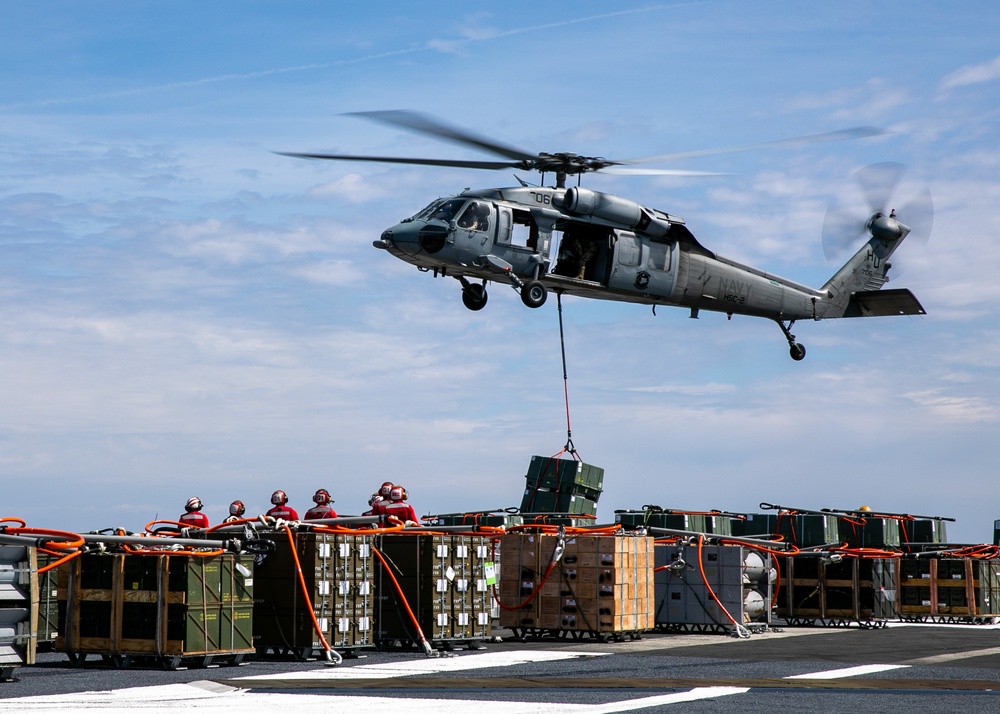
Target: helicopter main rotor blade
x=426 y=125
x=457 y=163
x=635 y=171
x=859 y=132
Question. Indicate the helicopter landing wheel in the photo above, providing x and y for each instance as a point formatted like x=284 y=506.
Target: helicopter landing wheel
x=533 y=294
x=796 y=349
x=474 y=296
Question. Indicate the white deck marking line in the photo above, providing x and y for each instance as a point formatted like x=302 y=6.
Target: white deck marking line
x=169 y=699
x=952 y=656
x=849 y=671
x=411 y=668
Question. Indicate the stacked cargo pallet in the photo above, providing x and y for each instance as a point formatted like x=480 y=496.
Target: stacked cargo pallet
x=339 y=574
x=655 y=517
x=738 y=587
x=18 y=608
x=949 y=589
x=602 y=586
x=48 y=603
x=819 y=589
x=175 y=609
x=561 y=486
x=444 y=581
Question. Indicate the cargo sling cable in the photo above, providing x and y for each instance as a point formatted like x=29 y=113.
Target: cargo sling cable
x=569 y=448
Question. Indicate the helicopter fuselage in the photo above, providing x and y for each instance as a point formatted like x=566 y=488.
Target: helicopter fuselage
x=581 y=242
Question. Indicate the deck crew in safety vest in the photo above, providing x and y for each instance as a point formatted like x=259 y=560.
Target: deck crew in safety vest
x=193 y=517
x=322 y=509
x=281 y=508
x=399 y=508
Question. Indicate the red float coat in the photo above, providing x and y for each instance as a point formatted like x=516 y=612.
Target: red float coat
x=401 y=510
x=194 y=519
x=317 y=512
x=286 y=513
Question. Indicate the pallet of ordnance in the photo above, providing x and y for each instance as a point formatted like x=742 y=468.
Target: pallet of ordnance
x=172 y=609
x=720 y=588
x=445 y=580
x=602 y=586
x=18 y=608
x=835 y=590
x=716 y=523
x=563 y=486
x=48 y=603
x=339 y=574
x=949 y=589
x=494 y=519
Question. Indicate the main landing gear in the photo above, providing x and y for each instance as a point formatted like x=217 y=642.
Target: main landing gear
x=796 y=349
x=474 y=296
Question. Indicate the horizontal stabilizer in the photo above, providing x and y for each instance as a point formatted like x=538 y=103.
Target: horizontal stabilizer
x=883 y=303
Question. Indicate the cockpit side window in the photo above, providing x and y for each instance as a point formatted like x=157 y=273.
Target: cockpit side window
x=659 y=255
x=476 y=217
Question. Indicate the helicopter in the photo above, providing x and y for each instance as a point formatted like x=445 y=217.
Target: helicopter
x=578 y=241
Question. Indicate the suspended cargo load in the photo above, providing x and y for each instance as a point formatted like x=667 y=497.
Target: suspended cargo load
x=18 y=608
x=339 y=575
x=445 y=580
x=175 y=609
x=723 y=588
x=601 y=586
x=563 y=486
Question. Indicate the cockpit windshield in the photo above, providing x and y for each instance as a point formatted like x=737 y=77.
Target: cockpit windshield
x=443 y=209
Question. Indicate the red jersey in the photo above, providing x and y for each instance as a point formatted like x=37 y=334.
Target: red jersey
x=317 y=512
x=285 y=513
x=194 y=519
x=401 y=510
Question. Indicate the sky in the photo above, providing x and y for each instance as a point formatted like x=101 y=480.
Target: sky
x=185 y=312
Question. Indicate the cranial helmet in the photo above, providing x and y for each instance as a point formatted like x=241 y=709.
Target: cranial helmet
x=396 y=494
x=236 y=508
x=322 y=497
x=193 y=504
x=278 y=498
x=384 y=489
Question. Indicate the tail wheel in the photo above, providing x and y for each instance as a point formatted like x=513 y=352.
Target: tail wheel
x=533 y=294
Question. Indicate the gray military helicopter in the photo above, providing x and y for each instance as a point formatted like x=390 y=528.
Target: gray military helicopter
x=577 y=241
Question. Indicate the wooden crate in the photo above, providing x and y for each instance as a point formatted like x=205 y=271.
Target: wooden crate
x=133 y=611
x=602 y=584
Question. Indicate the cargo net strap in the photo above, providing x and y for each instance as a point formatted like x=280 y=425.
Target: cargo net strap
x=569 y=448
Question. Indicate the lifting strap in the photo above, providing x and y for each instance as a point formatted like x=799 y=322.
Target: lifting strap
x=562 y=346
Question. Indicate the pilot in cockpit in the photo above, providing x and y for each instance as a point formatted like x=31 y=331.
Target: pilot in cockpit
x=475 y=217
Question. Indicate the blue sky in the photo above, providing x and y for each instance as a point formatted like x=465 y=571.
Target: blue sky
x=184 y=312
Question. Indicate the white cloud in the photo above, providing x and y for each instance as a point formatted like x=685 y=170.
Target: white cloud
x=971 y=74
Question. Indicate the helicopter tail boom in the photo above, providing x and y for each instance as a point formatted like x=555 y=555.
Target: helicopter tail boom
x=855 y=289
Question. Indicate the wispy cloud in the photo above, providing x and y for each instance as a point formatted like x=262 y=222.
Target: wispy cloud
x=972 y=74
x=468 y=36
